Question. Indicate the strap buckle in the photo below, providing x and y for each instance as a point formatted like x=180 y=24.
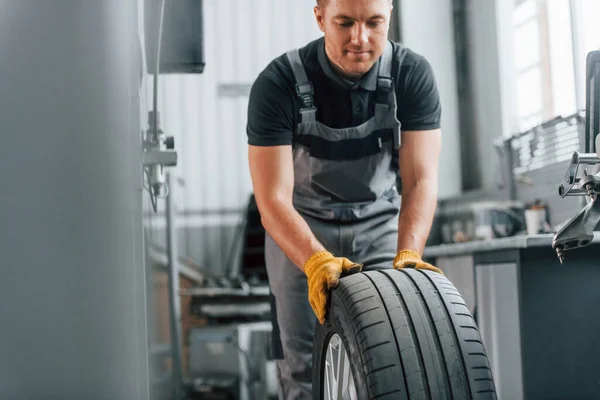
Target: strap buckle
x=305 y=91
x=384 y=87
x=385 y=83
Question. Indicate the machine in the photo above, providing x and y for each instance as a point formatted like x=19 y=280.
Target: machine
x=237 y=335
x=579 y=231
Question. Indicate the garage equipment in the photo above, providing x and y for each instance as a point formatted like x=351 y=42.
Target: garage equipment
x=237 y=309
x=579 y=231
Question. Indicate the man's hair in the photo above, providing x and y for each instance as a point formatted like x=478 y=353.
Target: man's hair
x=323 y=3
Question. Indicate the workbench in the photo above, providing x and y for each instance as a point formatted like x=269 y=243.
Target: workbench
x=539 y=320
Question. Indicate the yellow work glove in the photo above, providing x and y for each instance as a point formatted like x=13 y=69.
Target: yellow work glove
x=323 y=272
x=412 y=259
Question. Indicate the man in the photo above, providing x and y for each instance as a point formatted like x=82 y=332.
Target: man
x=324 y=150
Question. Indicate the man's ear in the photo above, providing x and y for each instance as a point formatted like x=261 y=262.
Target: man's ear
x=319 y=18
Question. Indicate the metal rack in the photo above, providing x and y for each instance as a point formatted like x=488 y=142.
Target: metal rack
x=547 y=144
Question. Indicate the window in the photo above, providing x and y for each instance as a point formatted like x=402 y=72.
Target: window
x=590 y=27
x=551 y=39
x=587 y=12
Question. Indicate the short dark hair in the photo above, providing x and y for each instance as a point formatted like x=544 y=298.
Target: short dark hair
x=323 y=3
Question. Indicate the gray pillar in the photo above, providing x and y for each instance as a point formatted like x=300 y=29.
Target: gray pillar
x=72 y=288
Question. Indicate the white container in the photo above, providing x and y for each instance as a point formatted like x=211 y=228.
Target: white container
x=534 y=220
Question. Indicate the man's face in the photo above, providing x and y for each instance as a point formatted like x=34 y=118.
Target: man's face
x=355 y=33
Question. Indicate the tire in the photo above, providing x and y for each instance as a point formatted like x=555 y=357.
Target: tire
x=408 y=334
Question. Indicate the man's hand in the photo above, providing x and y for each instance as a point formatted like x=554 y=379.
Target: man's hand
x=323 y=272
x=412 y=259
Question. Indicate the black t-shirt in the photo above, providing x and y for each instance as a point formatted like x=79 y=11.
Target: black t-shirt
x=274 y=106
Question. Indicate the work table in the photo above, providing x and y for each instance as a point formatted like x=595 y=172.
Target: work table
x=477 y=246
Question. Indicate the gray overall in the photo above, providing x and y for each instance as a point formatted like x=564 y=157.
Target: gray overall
x=345 y=189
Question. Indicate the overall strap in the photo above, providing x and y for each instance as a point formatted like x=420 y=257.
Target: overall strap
x=385 y=95
x=385 y=84
x=304 y=88
x=385 y=66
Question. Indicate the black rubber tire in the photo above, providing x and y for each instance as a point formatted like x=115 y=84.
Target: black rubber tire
x=408 y=334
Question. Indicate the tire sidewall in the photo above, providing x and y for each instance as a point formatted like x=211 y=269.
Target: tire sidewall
x=338 y=321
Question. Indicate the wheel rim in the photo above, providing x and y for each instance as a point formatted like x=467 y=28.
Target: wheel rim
x=339 y=381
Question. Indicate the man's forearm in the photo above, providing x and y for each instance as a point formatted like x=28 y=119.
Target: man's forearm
x=416 y=215
x=290 y=231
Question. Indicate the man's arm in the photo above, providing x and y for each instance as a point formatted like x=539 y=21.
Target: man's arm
x=272 y=172
x=419 y=159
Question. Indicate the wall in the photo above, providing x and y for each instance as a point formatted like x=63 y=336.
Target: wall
x=427 y=28
x=490 y=62
x=207 y=115
x=484 y=63
x=492 y=72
